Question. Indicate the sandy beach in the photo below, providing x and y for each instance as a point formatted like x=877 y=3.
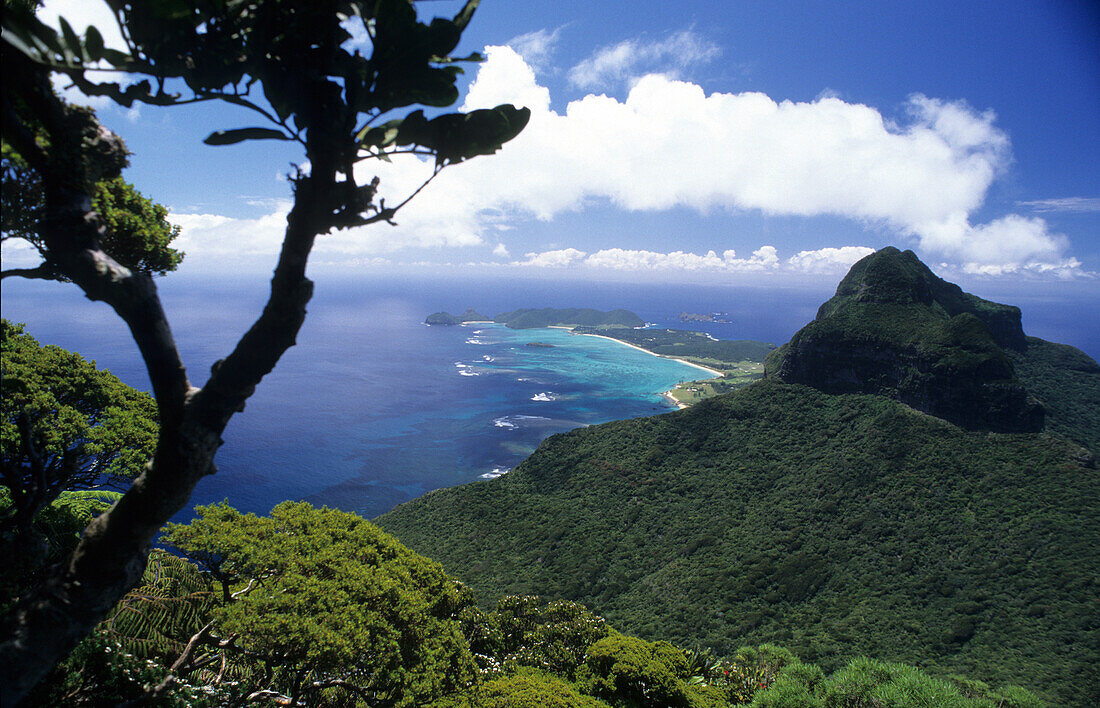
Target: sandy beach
x=713 y=372
x=667 y=395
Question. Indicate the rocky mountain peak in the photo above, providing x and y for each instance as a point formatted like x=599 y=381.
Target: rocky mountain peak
x=896 y=329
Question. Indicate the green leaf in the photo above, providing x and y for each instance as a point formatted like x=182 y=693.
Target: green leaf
x=229 y=137
x=381 y=136
x=93 y=44
x=72 y=47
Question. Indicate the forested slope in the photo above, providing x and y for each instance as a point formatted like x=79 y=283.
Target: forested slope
x=836 y=523
x=1067 y=383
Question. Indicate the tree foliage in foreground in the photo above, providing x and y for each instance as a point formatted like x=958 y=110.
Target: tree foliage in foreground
x=136 y=230
x=324 y=599
x=71 y=435
x=136 y=233
x=322 y=608
x=290 y=65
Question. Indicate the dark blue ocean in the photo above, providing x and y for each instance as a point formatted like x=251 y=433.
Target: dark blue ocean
x=373 y=408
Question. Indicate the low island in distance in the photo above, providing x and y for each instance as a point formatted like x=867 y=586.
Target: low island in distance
x=547 y=317
x=717 y=317
x=446 y=318
x=729 y=364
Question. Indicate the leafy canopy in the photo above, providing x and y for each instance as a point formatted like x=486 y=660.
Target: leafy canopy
x=64 y=424
x=136 y=233
x=333 y=598
x=294 y=63
x=67 y=432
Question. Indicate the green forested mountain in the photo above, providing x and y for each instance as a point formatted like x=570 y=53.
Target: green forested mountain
x=1066 y=381
x=318 y=607
x=836 y=524
x=896 y=329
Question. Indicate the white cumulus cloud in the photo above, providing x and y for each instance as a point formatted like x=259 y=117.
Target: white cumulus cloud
x=762 y=259
x=560 y=258
x=221 y=237
x=670 y=144
x=828 y=260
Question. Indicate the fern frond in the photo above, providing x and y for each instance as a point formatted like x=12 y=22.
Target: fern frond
x=86 y=504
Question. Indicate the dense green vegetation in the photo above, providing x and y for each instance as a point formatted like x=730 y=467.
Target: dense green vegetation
x=71 y=436
x=446 y=318
x=837 y=525
x=550 y=317
x=1067 y=383
x=315 y=607
x=136 y=231
x=895 y=329
x=692 y=346
x=892 y=277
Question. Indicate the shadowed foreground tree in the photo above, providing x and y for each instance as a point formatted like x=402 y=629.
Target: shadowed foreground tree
x=136 y=230
x=288 y=62
x=68 y=432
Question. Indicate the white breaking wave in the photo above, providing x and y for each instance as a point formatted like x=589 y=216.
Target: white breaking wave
x=496 y=472
x=511 y=422
x=544 y=396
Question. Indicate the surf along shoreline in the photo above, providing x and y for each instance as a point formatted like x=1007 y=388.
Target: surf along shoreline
x=667 y=395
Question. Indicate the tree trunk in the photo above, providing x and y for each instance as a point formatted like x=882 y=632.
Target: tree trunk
x=110 y=558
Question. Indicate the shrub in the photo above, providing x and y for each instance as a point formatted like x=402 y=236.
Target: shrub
x=867 y=682
x=523 y=690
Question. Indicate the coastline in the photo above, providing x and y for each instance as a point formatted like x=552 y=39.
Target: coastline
x=667 y=395
x=714 y=372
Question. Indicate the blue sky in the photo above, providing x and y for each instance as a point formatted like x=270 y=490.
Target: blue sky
x=717 y=141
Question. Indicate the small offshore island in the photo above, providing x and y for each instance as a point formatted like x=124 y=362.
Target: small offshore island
x=719 y=317
x=730 y=363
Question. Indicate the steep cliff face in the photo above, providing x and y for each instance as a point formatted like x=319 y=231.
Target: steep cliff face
x=896 y=329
